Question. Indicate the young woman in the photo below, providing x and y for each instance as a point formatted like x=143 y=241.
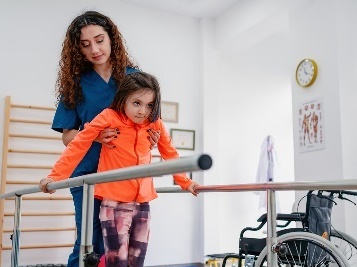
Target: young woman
x=125 y=210
x=93 y=59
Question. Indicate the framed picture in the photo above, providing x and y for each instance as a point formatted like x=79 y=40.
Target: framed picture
x=183 y=139
x=169 y=111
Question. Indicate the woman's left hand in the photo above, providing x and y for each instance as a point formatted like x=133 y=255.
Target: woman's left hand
x=192 y=188
x=153 y=137
x=106 y=137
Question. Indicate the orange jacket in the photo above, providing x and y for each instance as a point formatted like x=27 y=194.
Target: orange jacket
x=132 y=148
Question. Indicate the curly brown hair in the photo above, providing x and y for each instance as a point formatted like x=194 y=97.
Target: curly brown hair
x=73 y=63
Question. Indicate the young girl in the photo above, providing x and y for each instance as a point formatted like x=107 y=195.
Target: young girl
x=93 y=59
x=124 y=212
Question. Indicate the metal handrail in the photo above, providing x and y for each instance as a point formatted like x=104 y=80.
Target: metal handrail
x=271 y=187
x=348 y=184
x=185 y=164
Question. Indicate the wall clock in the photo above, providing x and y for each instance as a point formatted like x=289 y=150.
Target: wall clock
x=306 y=72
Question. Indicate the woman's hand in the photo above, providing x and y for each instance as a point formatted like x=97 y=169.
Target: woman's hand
x=43 y=185
x=192 y=188
x=153 y=137
x=107 y=136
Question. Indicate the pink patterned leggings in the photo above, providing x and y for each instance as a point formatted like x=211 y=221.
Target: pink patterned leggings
x=126 y=229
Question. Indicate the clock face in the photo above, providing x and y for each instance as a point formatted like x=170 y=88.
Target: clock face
x=306 y=72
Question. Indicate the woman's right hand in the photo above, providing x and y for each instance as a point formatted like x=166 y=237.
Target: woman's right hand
x=107 y=136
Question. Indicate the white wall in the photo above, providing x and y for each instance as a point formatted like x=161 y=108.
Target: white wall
x=347 y=36
x=247 y=96
x=252 y=53
x=165 y=45
x=330 y=39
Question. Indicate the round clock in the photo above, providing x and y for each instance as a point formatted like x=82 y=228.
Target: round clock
x=306 y=72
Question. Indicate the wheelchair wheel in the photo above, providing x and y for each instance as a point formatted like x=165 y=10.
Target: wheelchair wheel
x=347 y=244
x=304 y=249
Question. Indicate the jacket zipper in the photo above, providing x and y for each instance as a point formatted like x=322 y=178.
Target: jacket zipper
x=137 y=161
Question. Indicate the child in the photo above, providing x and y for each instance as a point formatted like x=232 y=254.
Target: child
x=125 y=211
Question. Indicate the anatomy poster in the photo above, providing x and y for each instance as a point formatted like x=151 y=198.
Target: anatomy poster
x=311 y=125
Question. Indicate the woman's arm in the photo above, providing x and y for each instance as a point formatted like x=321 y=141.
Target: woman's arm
x=68 y=135
x=105 y=137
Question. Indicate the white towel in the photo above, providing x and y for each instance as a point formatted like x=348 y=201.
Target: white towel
x=267 y=170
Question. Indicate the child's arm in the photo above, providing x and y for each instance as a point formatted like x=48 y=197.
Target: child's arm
x=168 y=151
x=75 y=151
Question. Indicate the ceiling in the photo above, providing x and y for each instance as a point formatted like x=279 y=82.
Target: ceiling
x=190 y=8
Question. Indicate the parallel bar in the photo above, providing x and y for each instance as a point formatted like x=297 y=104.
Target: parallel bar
x=348 y=184
x=186 y=164
x=16 y=233
x=87 y=222
x=271 y=238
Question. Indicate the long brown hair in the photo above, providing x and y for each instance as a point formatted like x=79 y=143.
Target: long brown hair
x=133 y=83
x=73 y=63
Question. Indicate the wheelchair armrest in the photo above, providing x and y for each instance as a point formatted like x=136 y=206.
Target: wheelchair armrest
x=291 y=217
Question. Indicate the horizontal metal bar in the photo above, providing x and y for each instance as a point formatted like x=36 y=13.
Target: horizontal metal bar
x=287 y=186
x=185 y=164
x=350 y=184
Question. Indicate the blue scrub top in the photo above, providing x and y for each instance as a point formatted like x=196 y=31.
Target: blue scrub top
x=97 y=95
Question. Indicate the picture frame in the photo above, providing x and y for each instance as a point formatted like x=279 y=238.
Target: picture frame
x=169 y=111
x=183 y=139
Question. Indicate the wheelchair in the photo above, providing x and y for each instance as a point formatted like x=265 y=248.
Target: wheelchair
x=316 y=243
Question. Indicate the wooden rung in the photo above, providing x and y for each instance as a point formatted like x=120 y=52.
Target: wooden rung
x=42 y=229
x=30 y=121
x=34 y=151
x=42 y=198
x=41 y=214
x=36 y=136
x=28 y=166
x=32 y=107
x=22 y=182
x=41 y=246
